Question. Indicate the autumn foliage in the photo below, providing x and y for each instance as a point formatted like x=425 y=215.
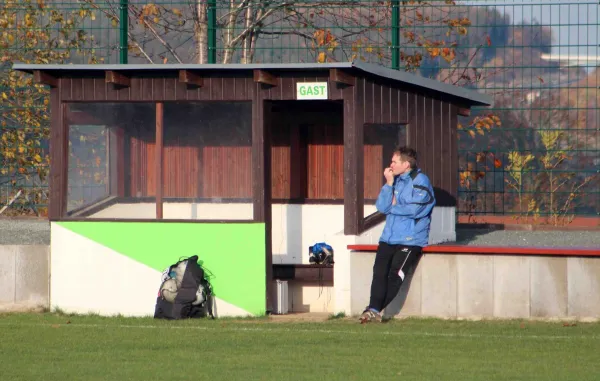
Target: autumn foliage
x=31 y=32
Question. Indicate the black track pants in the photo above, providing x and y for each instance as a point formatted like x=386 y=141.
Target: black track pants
x=392 y=262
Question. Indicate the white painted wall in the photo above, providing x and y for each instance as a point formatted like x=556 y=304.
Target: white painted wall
x=443 y=228
x=88 y=277
x=295 y=228
x=177 y=210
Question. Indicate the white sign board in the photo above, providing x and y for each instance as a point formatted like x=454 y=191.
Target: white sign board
x=311 y=90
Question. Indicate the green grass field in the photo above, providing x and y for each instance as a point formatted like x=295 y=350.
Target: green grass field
x=59 y=347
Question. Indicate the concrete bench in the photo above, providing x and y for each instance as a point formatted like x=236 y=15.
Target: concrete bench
x=495 y=250
x=454 y=281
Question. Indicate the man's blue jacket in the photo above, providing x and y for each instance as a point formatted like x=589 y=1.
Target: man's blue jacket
x=407 y=222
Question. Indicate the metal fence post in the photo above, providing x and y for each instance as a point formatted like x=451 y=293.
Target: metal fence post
x=123 y=29
x=212 y=31
x=395 y=34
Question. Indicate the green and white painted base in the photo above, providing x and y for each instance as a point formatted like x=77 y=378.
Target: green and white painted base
x=112 y=268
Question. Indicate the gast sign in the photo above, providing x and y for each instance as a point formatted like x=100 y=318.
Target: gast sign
x=311 y=90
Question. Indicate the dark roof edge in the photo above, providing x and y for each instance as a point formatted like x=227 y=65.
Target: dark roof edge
x=474 y=97
x=471 y=97
x=137 y=67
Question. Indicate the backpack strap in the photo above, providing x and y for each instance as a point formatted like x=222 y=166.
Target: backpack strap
x=209 y=306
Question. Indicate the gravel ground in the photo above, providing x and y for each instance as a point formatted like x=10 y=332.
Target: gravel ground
x=590 y=239
x=24 y=232
x=33 y=232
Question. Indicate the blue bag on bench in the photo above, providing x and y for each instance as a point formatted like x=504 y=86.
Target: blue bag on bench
x=320 y=254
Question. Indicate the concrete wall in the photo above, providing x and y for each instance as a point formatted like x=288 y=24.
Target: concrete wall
x=24 y=277
x=443 y=285
x=489 y=286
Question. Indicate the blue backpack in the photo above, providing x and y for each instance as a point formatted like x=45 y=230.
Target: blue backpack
x=320 y=254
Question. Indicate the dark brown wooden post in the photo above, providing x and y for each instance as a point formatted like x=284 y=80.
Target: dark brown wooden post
x=116 y=160
x=159 y=159
x=353 y=157
x=59 y=154
x=261 y=178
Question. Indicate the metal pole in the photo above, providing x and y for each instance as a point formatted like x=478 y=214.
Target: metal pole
x=212 y=31
x=396 y=34
x=123 y=28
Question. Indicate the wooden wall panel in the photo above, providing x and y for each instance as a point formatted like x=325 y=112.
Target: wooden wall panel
x=281 y=167
x=180 y=168
x=325 y=162
x=227 y=172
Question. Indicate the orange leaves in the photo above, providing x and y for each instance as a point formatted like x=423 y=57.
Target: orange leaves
x=438 y=49
x=481 y=124
x=410 y=36
x=484 y=163
x=433 y=52
x=324 y=39
x=458 y=25
x=466 y=177
x=448 y=54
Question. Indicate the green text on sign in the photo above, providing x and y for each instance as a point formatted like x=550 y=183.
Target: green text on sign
x=311 y=90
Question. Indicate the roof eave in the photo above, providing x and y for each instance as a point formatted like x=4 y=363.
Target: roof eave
x=469 y=97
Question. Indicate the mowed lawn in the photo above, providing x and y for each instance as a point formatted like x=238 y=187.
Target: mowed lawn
x=59 y=347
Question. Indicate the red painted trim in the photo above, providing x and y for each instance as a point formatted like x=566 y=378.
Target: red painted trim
x=497 y=250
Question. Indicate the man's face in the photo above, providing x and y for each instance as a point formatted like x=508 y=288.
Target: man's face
x=399 y=166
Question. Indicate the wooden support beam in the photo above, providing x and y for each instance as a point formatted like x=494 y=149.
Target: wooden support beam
x=261 y=180
x=338 y=76
x=44 y=78
x=159 y=159
x=464 y=111
x=264 y=77
x=117 y=79
x=191 y=79
x=354 y=120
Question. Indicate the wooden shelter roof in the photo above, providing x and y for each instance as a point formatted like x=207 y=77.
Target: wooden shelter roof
x=467 y=97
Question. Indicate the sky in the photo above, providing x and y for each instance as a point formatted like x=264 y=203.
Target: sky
x=574 y=23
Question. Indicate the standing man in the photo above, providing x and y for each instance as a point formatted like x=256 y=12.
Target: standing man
x=407 y=201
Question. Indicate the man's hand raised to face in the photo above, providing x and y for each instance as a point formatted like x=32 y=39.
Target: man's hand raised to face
x=388 y=173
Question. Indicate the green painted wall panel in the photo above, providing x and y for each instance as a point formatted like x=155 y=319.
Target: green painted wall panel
x=234 y=253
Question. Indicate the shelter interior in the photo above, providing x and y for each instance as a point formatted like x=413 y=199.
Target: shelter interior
x=207 y=157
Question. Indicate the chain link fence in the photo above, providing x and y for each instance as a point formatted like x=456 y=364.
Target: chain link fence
x=535 y=155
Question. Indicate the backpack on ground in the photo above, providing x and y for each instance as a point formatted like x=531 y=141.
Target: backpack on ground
x=185 y=292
